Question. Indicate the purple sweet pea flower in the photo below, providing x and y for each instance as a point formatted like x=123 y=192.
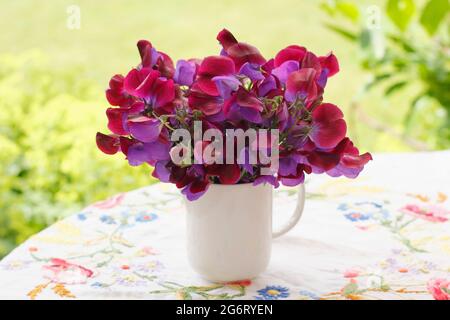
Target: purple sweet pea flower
x=145 y=129
x=293 y=180
x=267 y=85
x=161 y=172
x=151 y=152
x=267 y=179
x=185 y=72
x=285 y=69
x=226 y=85
x=287 y=166
x=195 y=189
x=252 y=70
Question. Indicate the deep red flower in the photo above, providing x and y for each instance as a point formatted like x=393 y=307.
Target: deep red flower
x=239 y=52
x=227 y=173
x=108 y=144
x=151 y=58
x=115 y=94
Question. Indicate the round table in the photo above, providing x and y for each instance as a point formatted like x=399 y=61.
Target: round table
x=385 y=235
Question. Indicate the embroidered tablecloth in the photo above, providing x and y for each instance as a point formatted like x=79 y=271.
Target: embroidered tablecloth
x=385 y=235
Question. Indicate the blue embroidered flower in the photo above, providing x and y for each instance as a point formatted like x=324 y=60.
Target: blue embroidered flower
x=272 y=293
x=81 y=216
x=146 y=217
x=309 y=294
x=107 y=219
x=357 y=216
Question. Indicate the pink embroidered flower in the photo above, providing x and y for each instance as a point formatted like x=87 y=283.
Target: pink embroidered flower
x=61 y=271
x=110 y=203
x=439 y=288
x=430 y=213
x=351 y=273
x=243 y=283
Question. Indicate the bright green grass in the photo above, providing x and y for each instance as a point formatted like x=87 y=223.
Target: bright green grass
x=105 y=44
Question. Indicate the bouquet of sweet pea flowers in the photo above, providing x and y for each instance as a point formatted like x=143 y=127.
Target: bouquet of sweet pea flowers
x=238 y=89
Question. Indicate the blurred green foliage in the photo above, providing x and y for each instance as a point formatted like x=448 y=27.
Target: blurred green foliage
x=49 y=162
x=405 y=45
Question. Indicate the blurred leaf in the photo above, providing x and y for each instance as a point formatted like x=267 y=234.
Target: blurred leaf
x=376 y=80
x=398 y=40
x=401 y=12
x=412 y=109
x=352 y=36
x=395 y=87
x=348 y=9
x=329 y=9
x=433 y=14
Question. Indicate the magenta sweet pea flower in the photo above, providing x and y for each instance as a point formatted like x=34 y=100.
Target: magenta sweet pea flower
x=209 y=68
x=328 y=126
x=302 y=85
x=330 y=64
x=351 y=163
x=239 y=52
x=150 y=58
x=116 y=94
x=148 y=85
x=290 y=53
x=244 y=105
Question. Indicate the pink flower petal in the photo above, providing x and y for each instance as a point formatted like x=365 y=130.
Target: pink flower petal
x=330 y=63
x=293 y=52
x=216 y=66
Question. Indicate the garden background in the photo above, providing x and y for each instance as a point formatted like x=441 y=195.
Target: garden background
x=56 y=58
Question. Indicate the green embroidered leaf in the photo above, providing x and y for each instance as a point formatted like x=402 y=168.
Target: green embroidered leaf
x=401 y=12
x=350 y=289
x=385 y=287
x=433 y=14
x=184 y=295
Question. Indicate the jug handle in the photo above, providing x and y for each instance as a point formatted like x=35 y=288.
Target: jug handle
x=295 y=216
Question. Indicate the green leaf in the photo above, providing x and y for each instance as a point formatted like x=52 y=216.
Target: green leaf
x=433 y=14
x=395 y=87
x=343 y=32
x=401 y=12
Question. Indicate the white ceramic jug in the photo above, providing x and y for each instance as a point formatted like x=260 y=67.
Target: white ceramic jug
x=229 y=230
